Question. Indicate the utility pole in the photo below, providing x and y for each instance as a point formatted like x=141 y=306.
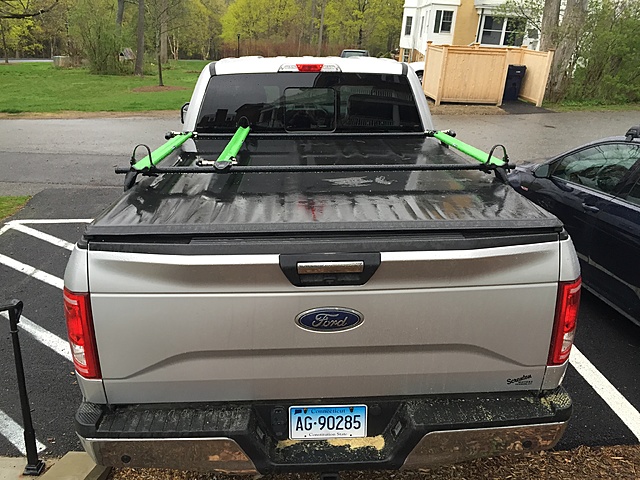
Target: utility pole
x=238 y=54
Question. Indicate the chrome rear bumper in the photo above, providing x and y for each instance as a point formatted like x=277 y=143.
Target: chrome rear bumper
x=202 y=454
x=454 y=446
x=252 y=438
x=224 y=455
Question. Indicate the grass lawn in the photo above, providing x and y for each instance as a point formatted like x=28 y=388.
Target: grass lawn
x=10 y=205
x=590 y=106
x=39 y=87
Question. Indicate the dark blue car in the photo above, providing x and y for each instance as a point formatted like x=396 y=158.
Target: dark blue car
x=595 y=190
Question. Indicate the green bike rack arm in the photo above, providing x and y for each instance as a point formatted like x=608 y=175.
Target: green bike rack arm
x=161 y=152
x=234 y=145
x=473 y=152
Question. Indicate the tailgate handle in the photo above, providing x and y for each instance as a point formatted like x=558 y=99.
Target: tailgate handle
x=311 y=268
x=329 y=269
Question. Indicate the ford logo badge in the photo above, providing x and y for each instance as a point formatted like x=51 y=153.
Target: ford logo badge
x=329 y=319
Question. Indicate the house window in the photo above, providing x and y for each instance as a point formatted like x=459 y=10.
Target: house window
x=444 y=20
x=407 y=27
x=501 y=31
x=421 y=25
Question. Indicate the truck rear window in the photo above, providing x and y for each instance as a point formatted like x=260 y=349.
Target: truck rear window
x=309 y=102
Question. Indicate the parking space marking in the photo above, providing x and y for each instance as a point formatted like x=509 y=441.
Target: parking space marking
x=610 y=394
x=13 y=432
x=44 y=336
x=53 y=220
x=58 y=242
x=32 y=271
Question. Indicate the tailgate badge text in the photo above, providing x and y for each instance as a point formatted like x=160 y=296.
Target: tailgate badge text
x=329 y=319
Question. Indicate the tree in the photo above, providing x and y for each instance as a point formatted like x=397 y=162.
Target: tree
x=18 y=9
x=261 y=20
x=570 y=32
x=91 y=27
x=139 y=68
x=607 y=70
x=198 y=31
x=374 y=24
x=53 y=31
x=19 y=36
x=549 y=24
x=120 y=15
x=560 y=32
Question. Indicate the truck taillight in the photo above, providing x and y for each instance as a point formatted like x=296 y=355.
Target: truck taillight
x=77 y=311
x=564 y=328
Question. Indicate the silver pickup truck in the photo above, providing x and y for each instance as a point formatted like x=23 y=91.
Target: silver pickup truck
x=344 y=292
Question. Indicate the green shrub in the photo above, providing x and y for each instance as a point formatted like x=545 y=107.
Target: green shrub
x=94 y=31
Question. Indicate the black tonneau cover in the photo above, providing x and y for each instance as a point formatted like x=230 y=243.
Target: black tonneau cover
x=223 y=205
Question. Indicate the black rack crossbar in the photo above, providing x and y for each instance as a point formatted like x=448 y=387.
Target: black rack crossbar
x=313 y=168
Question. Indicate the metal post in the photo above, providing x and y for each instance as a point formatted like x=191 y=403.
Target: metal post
x=238 y=55
x=34 y=466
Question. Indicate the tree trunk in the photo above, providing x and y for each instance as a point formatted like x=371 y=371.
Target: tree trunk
x=139 y=69
x=314 y=12
x=4 y=43
x=550 y=21
x=564 y=58
x=120 y=15
x=164 y=31
x=160 y=82
x=324 y=2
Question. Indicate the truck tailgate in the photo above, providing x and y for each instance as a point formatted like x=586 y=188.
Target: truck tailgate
x=223 y=325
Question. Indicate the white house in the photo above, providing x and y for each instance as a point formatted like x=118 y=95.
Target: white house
x=459 y=22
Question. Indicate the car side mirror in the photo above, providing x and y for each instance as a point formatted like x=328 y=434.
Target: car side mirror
x=183 y=111
x=543 y=171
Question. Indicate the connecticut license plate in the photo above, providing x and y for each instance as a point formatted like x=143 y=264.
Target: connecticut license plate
x=336 y=421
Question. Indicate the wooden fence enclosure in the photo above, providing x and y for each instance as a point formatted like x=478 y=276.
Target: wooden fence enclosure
x=478 y=74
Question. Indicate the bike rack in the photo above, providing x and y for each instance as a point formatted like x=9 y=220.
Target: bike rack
x=35 y=466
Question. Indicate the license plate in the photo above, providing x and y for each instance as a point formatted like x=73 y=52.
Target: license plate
x=334 y=421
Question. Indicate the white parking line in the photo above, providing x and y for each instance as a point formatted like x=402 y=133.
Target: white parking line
x=15 y=434
x=32 y=271
x=53 y=220
x=58 y=242
x=44 y=336
x=610 y=394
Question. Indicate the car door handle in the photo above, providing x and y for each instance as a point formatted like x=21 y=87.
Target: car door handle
x=590 y=208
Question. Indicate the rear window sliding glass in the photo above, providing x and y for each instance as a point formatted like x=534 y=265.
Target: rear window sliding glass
x=309 y=102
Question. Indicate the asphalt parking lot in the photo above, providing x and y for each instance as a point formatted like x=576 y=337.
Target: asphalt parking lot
x=34 y=247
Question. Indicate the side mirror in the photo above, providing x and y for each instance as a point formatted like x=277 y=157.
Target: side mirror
x=183 y=111
x=543 y=171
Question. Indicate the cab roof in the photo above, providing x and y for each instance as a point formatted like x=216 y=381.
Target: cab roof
x=230 y=66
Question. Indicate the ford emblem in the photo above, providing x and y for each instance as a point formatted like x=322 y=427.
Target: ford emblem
x=329 y=319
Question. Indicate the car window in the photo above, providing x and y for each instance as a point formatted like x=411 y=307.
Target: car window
x=601 y=167
x=305 y=101
x=634 y=194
